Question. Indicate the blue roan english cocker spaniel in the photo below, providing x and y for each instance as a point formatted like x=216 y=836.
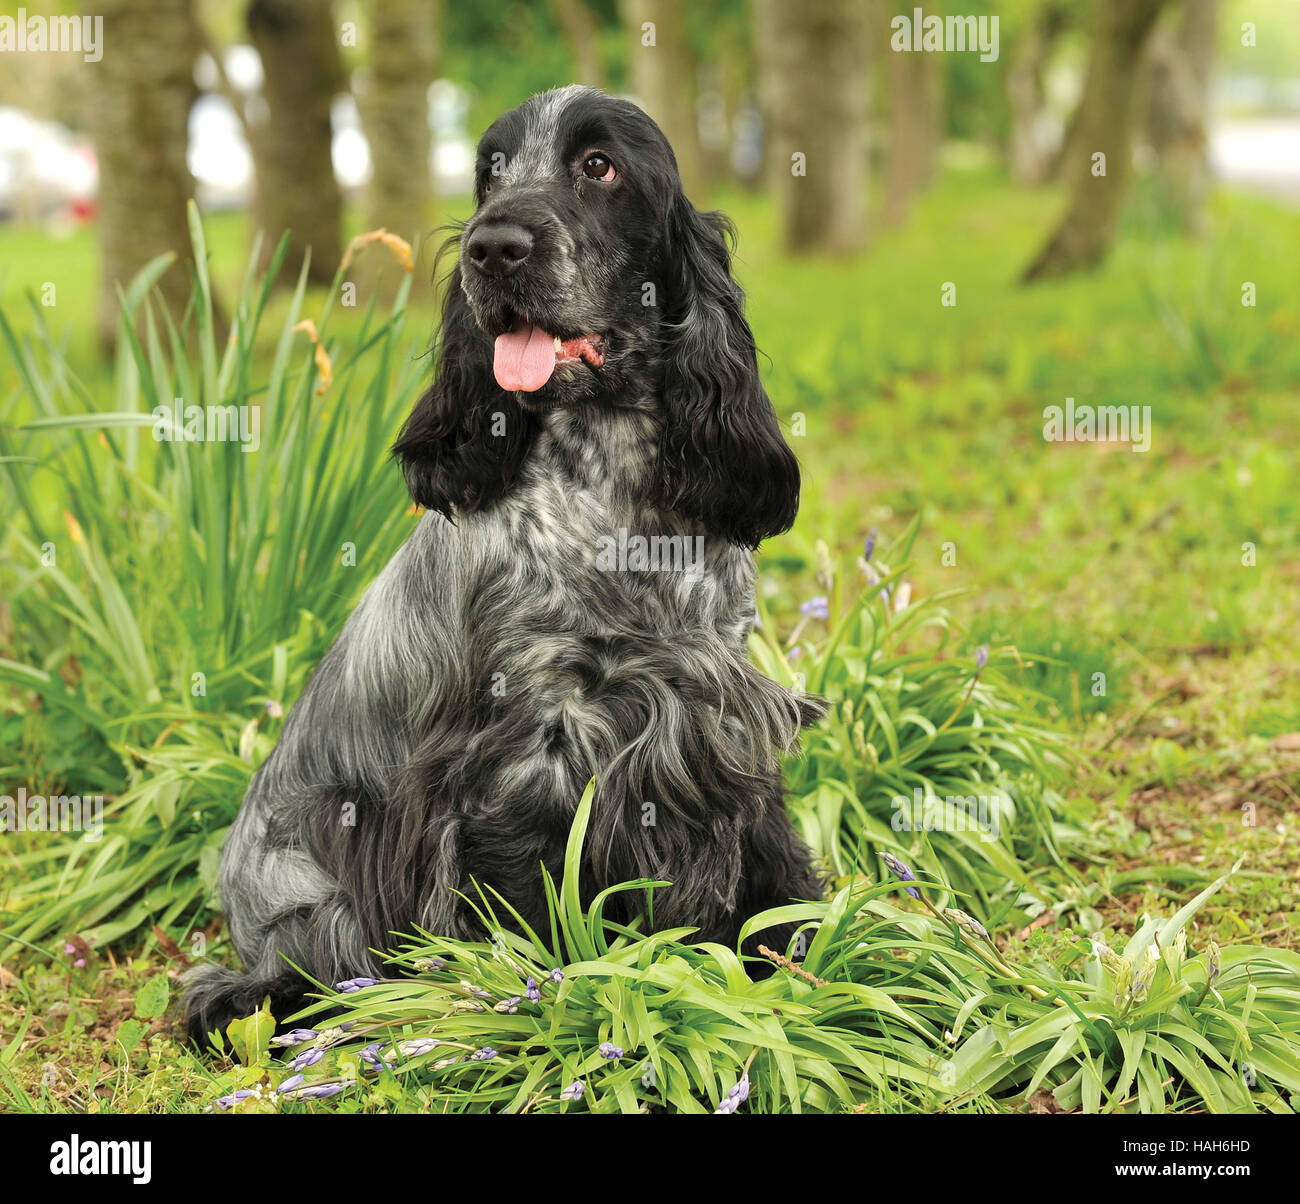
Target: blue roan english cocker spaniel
x=597 y=459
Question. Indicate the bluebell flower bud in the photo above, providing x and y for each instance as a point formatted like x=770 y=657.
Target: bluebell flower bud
x=901 y=872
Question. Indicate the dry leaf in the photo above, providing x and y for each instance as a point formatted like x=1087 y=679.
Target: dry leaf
x=323 y=365
x=397 y=246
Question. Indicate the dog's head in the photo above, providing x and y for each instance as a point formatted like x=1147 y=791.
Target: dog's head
x=586 y=278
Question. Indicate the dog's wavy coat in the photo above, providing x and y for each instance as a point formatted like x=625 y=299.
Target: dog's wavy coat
x=596 y=381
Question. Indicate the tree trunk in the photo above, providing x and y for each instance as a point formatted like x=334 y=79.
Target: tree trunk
x=661 y=71
x=1103 y=128
x=404 y=40
x=580 y=32
x=1029 y=157
x=812 y=81
x=296 y=188
x=915 y=130
x=1177 y=112
x=139 y=117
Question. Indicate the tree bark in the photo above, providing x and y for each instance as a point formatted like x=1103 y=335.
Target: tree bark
x=661 y=70
x=139 y=117
x=812 y=82
x=1103 y=127
x=916 y=114
x=580 y=32
x=404 y=42
x=1029 y=160
x=1182 y=61
x=296 y=189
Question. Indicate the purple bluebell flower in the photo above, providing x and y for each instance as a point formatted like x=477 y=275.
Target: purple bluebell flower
x=308 y=1057
x=226 y=1102
x=371 y=1056
x=297 y=1036
x=324 y=1091
x=557 y=975
x=869 y=544
x=418 y=1045
x=574 y=1090
x=736 y=1096
x=486 y=1054
x=981 y=657
x=816 y=608
x=350 y=986
x=966 y=921
x=531 y=991
x=610 y=1051
x=901 y=872
x=508 y=1006
x=294 y=1080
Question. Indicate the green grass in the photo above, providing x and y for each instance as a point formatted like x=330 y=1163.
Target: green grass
x=1130 y=724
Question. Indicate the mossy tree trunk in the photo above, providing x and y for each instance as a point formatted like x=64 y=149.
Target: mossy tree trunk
x=914 y=105
x=1098 y=169
x=812 y=81
x=581 y=32
x=403 y=62
x=661 y=75
x=1182 y=62
x=138 y=109
x=1029 y=160
x=301 y=73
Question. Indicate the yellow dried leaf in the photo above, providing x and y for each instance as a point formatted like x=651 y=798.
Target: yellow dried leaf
x=397 y=246
x=323 y=366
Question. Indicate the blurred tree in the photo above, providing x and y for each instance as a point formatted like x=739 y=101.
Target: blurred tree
x=1182 y=62
x=394 y=103
x=139 y=118
x=580 y=32
x=291 y=143
x=1029 y=156
x=1099 y=153
x=661 y=75
x=812 y=82
x=913 y=84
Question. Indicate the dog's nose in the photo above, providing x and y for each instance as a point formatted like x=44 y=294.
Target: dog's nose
x=497 y=249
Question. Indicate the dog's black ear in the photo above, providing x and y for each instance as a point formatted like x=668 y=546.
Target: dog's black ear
x=465 y=440
x=722 y=457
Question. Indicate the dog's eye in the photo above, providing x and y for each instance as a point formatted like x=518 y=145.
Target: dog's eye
x=597 y=167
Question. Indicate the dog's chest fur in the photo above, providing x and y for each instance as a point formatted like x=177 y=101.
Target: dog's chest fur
x=592 y=622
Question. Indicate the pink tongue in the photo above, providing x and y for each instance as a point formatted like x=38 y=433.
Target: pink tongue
x=524 y=360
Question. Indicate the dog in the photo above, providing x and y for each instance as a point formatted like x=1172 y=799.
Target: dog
x=596 y=387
